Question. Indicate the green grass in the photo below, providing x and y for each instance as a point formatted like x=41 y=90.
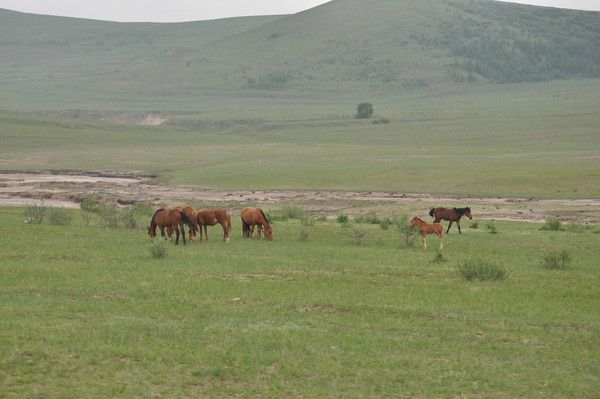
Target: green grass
x=87 y=311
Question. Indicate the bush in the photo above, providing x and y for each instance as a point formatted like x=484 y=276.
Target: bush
x=143 y=209
x=110 y=216
x=158 y=248
x=491 y=227
x=552 y=224
x=364 y=110
x=556 y=261
x=272 y=218
x=408 y=232
x=342 y=219
x=91 y=205
x=35 y=213
x=59 y=217
x=292 y=211
x=481 y=269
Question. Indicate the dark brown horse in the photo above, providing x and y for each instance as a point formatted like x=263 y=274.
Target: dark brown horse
x=172 y=219
x=211 y=217
x=255 y=217
x=452 y=215
x=191 y=213
x=427 y=228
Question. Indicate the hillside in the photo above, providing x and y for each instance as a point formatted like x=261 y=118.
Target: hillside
x=345 y=47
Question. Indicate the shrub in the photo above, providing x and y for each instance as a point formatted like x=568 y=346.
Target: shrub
x=272 y=217
x=304 y=235
x=439 y=258
x=407 y=231
x=143 y=209
x=35 y=213
x=292 y=211
x=557 y=261
x=110 y=216
x=59 y=217
x=158 y=248
x=552 y=224
x=364 y=110
x=342 y=219
x=491 y=227
x=358 y=236
x=481 y=269
x=91 y=205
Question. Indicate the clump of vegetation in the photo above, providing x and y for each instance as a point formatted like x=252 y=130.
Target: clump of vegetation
x=307 y=221
x=439 y=258
x=379 y=121
x=273 y=217
x=321 y=218
x=552 y=224
x=364 y=110
x=292 y=211
x=407 y=231
x=342 y=219
x=59 y=217
x=129 y=219
x=304 y=235
x=110 y=216
x=557 y=261
x=481 y=269
x=474 y=225
x=158 y=248
x=35 y=213
x=369 y=218
x=358 y=237
x=491 y=227
x=575 y=227
x=385 y=223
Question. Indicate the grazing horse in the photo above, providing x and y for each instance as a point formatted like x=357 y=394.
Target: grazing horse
x=191 y=213
x=426 y=228
x=452 y=215
x=172 y=219
x=210 y=218
x=255 y=217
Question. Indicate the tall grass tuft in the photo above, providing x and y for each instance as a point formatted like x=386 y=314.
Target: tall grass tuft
x=552 y=224
x=342 y=219
x=35 y=213
x=491 y=227
x=292 y=211
x=556 y=261
x=439 y=258
x=481 y=269
x=59 y=217
x=158 y=248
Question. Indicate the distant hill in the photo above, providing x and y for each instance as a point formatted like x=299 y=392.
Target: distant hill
x=345 y=46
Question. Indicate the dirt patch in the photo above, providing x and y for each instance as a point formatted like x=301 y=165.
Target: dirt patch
x=68 y=188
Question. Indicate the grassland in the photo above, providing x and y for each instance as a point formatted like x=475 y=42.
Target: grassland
x=87 y=311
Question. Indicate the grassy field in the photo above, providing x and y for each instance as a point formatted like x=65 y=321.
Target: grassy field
x=87 y=311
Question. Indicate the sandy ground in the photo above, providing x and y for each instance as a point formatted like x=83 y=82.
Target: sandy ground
x=69 y=188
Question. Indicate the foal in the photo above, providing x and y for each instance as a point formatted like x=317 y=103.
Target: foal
x=426 y=228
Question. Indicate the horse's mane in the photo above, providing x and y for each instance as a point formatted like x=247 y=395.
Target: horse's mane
x=264 y=216
x=152 y=222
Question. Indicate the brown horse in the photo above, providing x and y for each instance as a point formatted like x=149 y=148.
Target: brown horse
x=255 y=217
x=426 y=228
x=452 y=215
x=172 y=219
x=191 y=213
x=210 y=218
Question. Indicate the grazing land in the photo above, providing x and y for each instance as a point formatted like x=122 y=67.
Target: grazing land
x=87 y=311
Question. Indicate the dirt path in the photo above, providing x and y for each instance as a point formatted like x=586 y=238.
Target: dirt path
x=68 y=189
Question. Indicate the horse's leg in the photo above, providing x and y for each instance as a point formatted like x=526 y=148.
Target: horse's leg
x=205 y=232
x=182 y=227
x=441 y=237
x=424 y=237
x=176 y=235
x=449 y=225
x=224 y=226
x=458 y=224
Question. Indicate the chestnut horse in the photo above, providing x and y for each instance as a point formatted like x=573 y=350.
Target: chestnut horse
x=452 y=215
x=426 y=228
x=172 y=219
x=191 y=213
x=255 y=217
x=211 y=217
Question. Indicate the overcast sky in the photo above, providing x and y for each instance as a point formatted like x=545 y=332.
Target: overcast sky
x=192 y=10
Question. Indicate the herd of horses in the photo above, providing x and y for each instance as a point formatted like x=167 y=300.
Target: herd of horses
x=174 y=220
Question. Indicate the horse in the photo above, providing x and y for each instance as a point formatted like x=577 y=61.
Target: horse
x=426 y=228
x=191 y=213
x=211 y=217
x=452 y=215
x=172 y=219
x=255 y=217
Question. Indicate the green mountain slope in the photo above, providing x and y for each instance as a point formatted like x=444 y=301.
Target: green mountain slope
x=344 y=47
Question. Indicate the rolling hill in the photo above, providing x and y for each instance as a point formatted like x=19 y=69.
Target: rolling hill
x=345 y=47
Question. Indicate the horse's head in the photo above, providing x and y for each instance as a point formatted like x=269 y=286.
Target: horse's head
x=468 y=213
x=268 y=232
x=152 y=232
x=415 y=221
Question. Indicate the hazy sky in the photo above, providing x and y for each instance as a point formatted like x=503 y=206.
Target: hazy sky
x=191 y=10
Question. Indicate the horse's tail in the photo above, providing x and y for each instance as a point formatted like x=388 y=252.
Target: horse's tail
x=431 y=212
x=186 y=219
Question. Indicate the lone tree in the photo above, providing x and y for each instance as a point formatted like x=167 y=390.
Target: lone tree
x=364 y=110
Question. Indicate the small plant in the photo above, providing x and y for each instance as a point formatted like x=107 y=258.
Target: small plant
x=304 y=235
x=407 y=231
x=474 y=225
x=158 y=248
x=358 y=236
x=556 y=261
x=481 y=269
x=491 y=227
x=35 y=213
x=59 y=217
x=552 y=224
x=364 y=110
x=439 y=258
x=292 y=211
x=342 y=219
